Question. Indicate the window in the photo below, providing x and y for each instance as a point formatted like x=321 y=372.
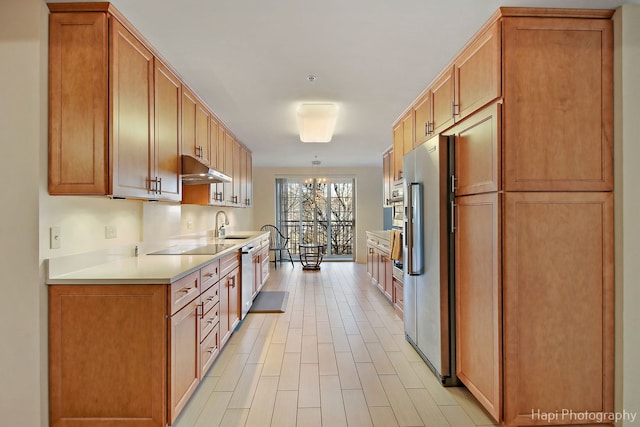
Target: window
x=317 y=210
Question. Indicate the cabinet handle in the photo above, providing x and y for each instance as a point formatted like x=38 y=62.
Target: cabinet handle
x=211 y=298
x=231 y=281
x=426 y=128
x=235 y=199
x=453 y=217
x=208 y=274
x=159 y=181
x=210 y=349
x=185 y=290
x=202 y=311
x=453 y=109
x=453 y=183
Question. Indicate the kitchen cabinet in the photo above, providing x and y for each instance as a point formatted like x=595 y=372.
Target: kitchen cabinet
x=213 y=194
x=423 y=119
x=558 y=302
x=407 y=133
x=398 y=151
x=196 y=122
x=387 y=177
x=479 y=298
x=443 y=105
x=166 y=153
x=559 y=131
x=478 y=72
x=248 y=179
x=102 y=90
x=108 y=355
x=478 y=152
x=229 y=298
x=379 y=264
x=533 y=209
x=398 y=297
x=229 y=187
x=134 y=354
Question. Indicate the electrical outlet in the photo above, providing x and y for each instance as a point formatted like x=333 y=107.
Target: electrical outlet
x=189 y=225
x=110 y=232
x=54 y=238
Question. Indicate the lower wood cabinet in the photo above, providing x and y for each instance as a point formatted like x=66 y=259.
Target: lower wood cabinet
x=534 y=303
x=132 y=355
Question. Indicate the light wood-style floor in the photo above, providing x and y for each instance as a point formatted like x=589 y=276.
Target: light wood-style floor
x=337 y=357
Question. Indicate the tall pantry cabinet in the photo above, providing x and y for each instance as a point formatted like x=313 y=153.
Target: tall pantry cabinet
x=534 y=211
x=532 y=117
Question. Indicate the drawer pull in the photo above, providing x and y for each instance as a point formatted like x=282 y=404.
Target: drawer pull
x=186 y=290
x=209 y=274
x=210 y=349
x=211 y=298
x=231 y=281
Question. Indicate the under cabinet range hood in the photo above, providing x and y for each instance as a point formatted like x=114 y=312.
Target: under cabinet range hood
x=194 y=171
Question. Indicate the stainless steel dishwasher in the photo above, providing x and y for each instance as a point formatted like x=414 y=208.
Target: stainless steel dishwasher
x=247 y=278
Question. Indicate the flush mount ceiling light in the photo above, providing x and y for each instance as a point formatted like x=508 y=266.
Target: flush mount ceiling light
x=316 y=122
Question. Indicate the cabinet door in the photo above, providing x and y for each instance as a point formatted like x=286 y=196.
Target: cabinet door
x=477 y=152
x=209 y=349
x=78 y=104
x=184 y=357
x=479 y=299
x=107 y=355
x=387 y=177
x=407 y=133
x=478 y=72
x=229 y=144
x=167 y=163
x=203 y=121
x=558 y=303
x=249 y=178
x=442 y=101
x=387 y=276
x=189 y=108
x=423 y=121
x=132 y=139
x=370 y=257
x=229 y=308
x=242 y=176
x=213 y=143
x=558 y=107
x=398 y=151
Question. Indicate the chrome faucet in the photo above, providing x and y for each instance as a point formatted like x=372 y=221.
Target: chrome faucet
x=226 y=221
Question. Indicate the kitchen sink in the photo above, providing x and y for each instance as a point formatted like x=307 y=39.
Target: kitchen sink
x=209 y=249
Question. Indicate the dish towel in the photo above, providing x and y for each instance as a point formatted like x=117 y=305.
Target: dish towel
x=396 y=245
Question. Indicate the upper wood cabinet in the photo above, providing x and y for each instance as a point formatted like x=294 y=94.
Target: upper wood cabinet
x=196 y=124
x=407 y=133
x=125 y=157
x=558 y=104
x=120 y=117
x=423 y=119
x=478 y=73
x=398 y=151
x=78 y=104
x=443 y=105
x=387 y=177
x=167 y=133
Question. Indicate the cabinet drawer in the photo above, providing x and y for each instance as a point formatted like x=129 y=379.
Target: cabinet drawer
x=210 y=297
x=183 y=291
x=228 y=263
x=209 y=349
x=210 y=274
x=209 y=320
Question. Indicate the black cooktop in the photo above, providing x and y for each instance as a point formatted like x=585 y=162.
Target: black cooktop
x=210 y=249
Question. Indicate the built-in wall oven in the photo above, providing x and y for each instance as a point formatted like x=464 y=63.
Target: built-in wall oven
x=397 y=208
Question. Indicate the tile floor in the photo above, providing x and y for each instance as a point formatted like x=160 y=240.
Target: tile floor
x=337 y=357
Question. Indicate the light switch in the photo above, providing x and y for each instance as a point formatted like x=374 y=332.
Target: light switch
x=54 y=237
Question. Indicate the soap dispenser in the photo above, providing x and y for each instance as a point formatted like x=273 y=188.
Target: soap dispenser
x=221 y=231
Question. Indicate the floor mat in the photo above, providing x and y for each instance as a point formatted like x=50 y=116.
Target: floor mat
x=270 y=302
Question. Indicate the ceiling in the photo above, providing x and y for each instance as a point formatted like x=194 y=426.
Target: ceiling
x=250 y=61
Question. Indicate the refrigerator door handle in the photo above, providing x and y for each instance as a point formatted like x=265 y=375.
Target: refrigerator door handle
x=415 y=227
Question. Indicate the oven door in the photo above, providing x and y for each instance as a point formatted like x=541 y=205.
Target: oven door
x=398 y=214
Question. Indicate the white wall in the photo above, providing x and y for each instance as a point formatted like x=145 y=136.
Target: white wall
x=368 y=215
x=23 y=351
x=627 y=199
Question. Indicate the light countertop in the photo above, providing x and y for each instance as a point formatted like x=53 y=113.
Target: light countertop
x=125 y=268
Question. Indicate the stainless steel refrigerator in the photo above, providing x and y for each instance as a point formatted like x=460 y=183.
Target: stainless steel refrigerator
x=429 y=300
